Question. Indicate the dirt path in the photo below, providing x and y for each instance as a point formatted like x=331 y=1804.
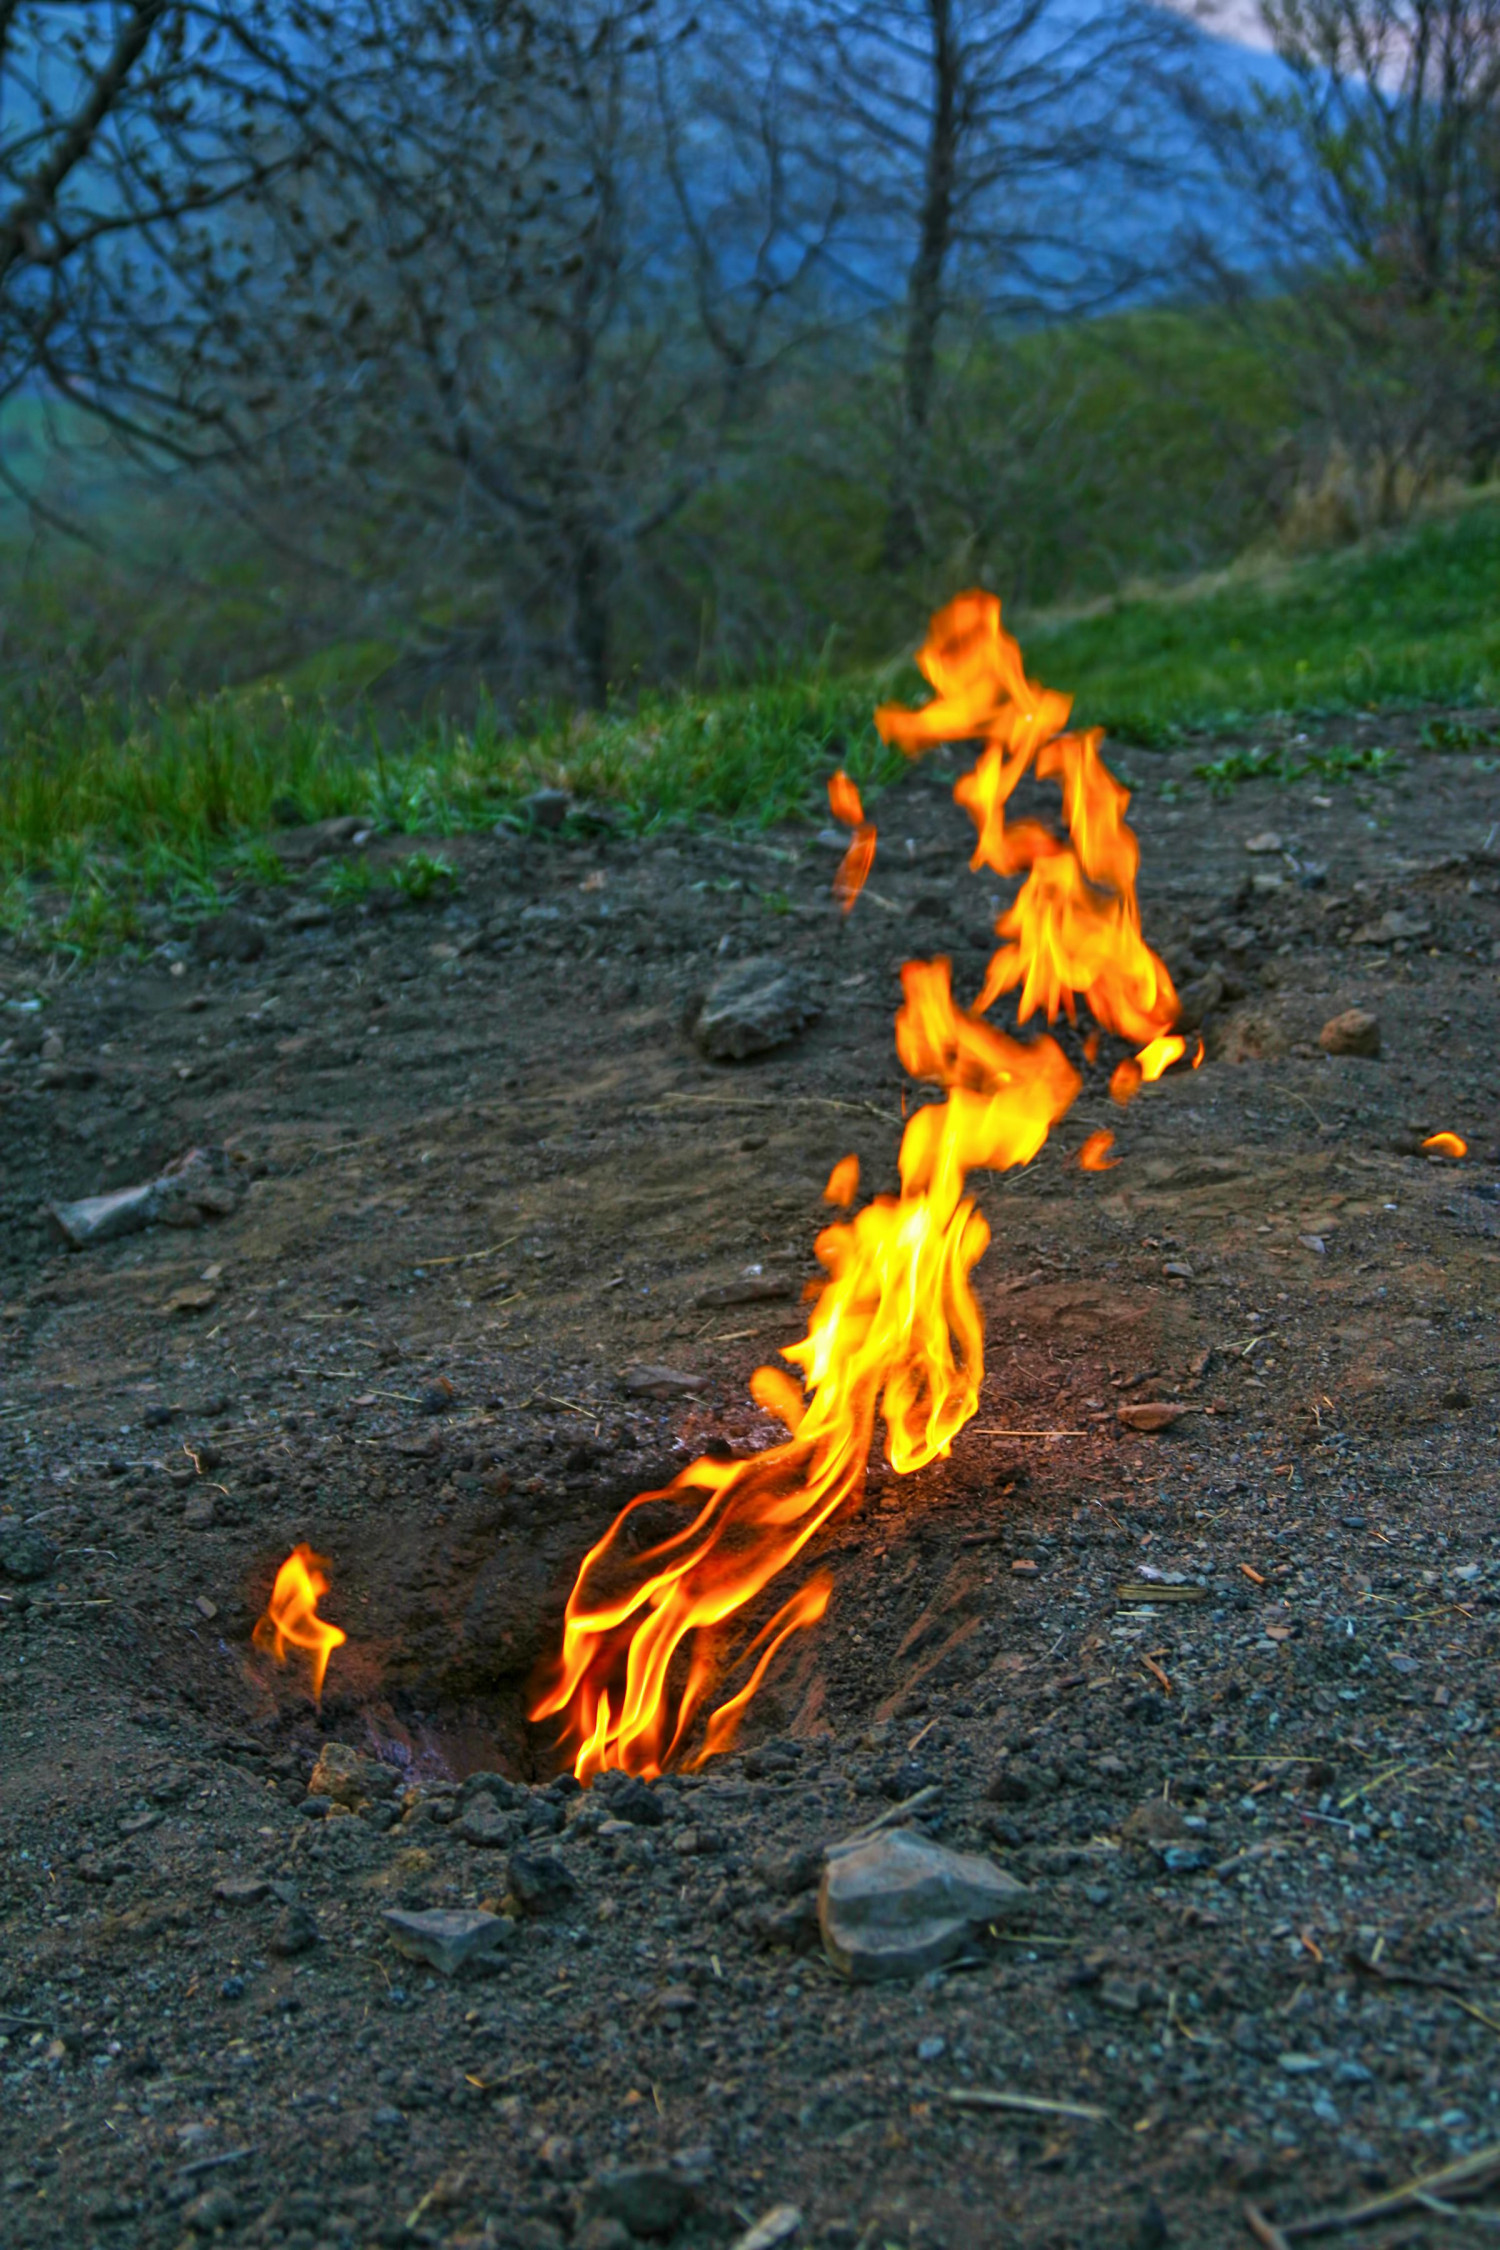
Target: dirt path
x=484 y=1172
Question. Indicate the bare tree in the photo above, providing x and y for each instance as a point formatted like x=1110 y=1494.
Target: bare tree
x=983 y=140
x=519 y=320
x=127 y=133
x=1372 y=165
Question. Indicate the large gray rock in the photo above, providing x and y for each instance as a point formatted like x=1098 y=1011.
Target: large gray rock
x=753 y=1007
x=898 y=1904
x=445 y=1937
x=204 y=1184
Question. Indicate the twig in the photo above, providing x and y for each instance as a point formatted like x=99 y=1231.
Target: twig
x=1028 y=1433
x=1270 y=2237
x=588 y=1412
x=214 y=2163
x=890 y=1817
x=1028 y=2105
x=1477 y=2171
x=472 y=1257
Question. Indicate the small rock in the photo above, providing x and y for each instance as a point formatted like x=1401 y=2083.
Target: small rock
x=600 y=2233
x=445 y=1937
x=1176 y=1269
x=637 y=1803
x=1355 y=1032
x=1155 y=1823
x=1313 y=1242
x=1266 y=842
x=753 y=1007
x=486 y=1824
x=1121 y=1994
x=1149 y=1414
x=308 y=914
x=204 y=1184
x=316 y=1808
x=659 y=1382
x=755 y=1289
x=230 y=937
x=788 y=1873
x=193 y=1297
x=437 y=1397
x=783 y=2224
x=498 y=1786
x=1197 y=1001
x=898 y=1904
x=548 y=808
x=649 y=2199
x=295 y=1933
x=348 y=1777
x=25 y=1554
x=198 y=1514
x=214 y=2209
x=242 y=1890
x=541 y=1883
x=1392 y=925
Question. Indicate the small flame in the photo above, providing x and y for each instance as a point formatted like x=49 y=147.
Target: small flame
x=291 y=1619
x=1446 y=1144
x=843 y=1182
x=895 y=1333
x=1094 y=1155
x=846 y=805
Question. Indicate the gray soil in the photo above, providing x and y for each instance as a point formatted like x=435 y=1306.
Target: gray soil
x=485 y=1173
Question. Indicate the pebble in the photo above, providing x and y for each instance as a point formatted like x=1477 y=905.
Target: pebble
x=547 y=808
x=216 y=2208
x=540 y=1882
x=445 y=1937
x=783 y=2224
x=1266 y=842
x=753 y=1007
x=485 y=1824
x=648 y=2199
x=659 y=1382
x=1354 y=1032
x=295 y=1933
x=347 y=1777
x=230 y=937
x=25 y=1554
x=898 y=1904
x=242 y=1890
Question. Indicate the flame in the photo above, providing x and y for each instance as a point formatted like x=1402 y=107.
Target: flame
x=843 y=1181
x=1094 y=1155
x=846 y=805
x=895 y=1333
x=291 y=1619
x=1446 y=1144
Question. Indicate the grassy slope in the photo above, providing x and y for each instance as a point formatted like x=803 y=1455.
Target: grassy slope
x=1414 y=619
x=103 y=811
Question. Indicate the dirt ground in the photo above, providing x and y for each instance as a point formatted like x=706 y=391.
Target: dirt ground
x=485 y=1173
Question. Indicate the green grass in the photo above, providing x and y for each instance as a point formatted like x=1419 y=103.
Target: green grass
x=1407 y=620
x=112 y=819
x=117 y=823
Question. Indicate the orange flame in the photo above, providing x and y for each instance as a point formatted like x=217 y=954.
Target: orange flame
x=895 y=1332
x=1094 y=1155
x=291 y=1619
x=843 y=1181
x=847 y=806
x=1446 y=1144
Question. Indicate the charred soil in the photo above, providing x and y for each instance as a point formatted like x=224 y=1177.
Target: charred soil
x=1222 y=1696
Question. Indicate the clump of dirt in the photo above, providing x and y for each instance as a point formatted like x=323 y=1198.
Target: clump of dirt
x=1221 y=1696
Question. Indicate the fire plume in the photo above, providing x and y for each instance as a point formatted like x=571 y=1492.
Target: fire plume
x=845 y=805
x=895 y=1333
x=1446 y=1144
x=291 y=1618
